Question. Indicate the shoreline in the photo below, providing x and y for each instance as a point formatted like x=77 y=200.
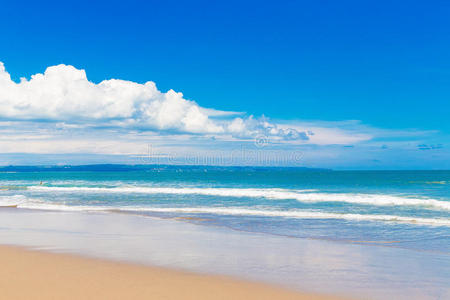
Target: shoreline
x=315 y=267
x=35 y=274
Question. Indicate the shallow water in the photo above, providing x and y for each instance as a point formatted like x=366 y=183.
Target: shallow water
x=360 y=271
x=406 y=209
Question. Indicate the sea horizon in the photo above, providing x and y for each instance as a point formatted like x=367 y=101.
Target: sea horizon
x=134 y=166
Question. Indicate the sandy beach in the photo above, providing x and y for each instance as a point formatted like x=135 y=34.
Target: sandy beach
x=91 y=255
x=26 y=274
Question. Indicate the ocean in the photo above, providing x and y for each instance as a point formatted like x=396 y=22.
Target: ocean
x=402 y=209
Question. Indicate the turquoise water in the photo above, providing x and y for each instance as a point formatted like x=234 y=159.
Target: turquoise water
x=406 y=209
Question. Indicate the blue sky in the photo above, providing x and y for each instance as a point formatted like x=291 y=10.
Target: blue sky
x=377 y=70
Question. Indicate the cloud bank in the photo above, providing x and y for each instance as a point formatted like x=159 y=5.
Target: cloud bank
x=60 y=117
x=63 y=93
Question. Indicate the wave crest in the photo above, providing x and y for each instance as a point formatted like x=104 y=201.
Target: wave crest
x=231 y=211
x=306 y=196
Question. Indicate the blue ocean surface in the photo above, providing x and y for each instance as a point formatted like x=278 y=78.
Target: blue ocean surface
x=405 y=209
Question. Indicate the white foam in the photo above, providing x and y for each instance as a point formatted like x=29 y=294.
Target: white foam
x=299 y=214
x=307 y=196
x=31 y=203
x=6 y=201
x=239 y=211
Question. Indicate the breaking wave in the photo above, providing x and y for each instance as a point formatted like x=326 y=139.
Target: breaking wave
x=307 y=196
x=29 y=203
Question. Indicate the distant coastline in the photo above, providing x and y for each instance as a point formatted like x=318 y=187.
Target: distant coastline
x=140 y=167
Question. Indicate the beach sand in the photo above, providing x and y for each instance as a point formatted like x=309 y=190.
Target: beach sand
x=26 y=274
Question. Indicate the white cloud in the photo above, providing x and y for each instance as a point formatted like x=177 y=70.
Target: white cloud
x=253 y=127
x=333 y=136
x=64 y=94
x=62 y=112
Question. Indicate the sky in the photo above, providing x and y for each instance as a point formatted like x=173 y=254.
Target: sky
x=330 y=84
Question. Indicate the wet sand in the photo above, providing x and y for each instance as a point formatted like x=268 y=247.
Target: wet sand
x=26 y=274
